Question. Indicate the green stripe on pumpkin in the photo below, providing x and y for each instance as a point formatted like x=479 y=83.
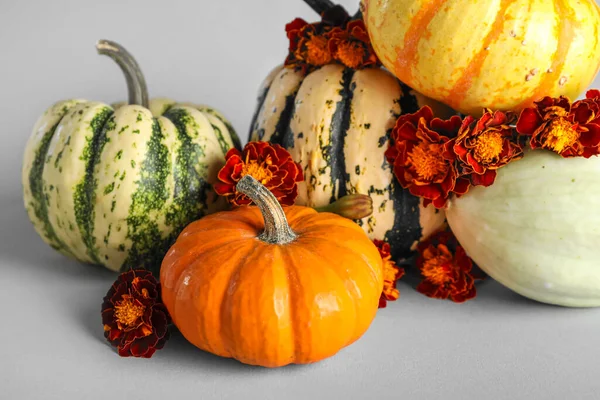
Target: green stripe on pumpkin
x=189 y=198
x=36 y=184
x=84 y=196
x=148 y=246
x=221 y=139
x=232 y=133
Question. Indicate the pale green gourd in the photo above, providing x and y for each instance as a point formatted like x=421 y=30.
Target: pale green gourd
x=536 y=230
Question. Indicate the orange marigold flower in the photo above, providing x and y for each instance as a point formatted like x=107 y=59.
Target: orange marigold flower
x=570 y=130
x=271 y=165
x=352 y=47
x=446 y=270
x=420 y=163
x=391 y=274
x=135 y=319
x=483 y=145
x=309 y=42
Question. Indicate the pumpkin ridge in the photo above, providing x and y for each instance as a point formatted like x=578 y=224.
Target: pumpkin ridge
x=84 y=196
x=36 y=183
x=260 y=102
x=228 y=127
x=473 y=69
x=190 y=187
x=405 y=216
x=148 y=244
x=293 y=283
x=283 y=134
x=304 y=334
x=406 y=56
x=285 y=83
x=565 y=35
x=353 y=293
x=220 y=138
x=225 y=315
x=181 y=285
x=340 y=123
x=318 y=220
x=194 y=253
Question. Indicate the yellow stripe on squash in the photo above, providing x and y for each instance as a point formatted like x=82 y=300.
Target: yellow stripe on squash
x=501 y=54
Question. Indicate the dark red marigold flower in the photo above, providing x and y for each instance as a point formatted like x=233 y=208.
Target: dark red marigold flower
x=420 y=163
x=570 y=130
x=135 y=319
x=271 y=165
x=446 y=270
x=391 y=274
x=308 y=47
x=309 y=42
x=352 y=47
x=483 y=145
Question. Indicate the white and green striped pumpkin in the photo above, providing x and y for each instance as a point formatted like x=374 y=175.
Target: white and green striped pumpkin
x=336 y=121
x=115 y=185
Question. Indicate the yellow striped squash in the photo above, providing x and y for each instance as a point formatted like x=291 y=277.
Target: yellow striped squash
x=501 y=54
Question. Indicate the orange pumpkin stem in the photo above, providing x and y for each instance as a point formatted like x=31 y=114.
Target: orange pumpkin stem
x=277 y=230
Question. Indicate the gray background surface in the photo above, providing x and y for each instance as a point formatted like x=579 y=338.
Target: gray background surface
x=498 y=346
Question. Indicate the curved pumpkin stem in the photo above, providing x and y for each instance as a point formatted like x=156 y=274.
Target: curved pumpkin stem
x=320 y=6
x=277 y=230
x=136 y=84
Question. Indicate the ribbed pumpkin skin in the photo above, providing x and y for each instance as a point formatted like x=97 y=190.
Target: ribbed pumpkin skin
x=501 y=54
x=336 y=123
x=267 y=304
x=536 y=230
x=115 y=186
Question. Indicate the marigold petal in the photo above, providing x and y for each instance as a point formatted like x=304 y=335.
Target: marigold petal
x=462 y=186
x=114 y=334
x=230 y=169
x=140 y=347
x=124 y=351
x=224 y=189
x=296 y=25
x=592 y=94
x=427 y=191
x=475 y=166
x=289 y=198
x=430 y=290
x=449 y=127
x=462 y=297
x=590 y=137
x=529 y=121
x=424 y=112
x=406 y=131
x=485 y=179
x=382 y=302
x=582 y=113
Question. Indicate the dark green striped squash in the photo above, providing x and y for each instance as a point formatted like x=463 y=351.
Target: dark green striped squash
x=336 y=123
x=114 y=185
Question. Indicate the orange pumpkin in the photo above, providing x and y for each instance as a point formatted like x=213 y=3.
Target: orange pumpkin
x=249 y=285
x=498 y=54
